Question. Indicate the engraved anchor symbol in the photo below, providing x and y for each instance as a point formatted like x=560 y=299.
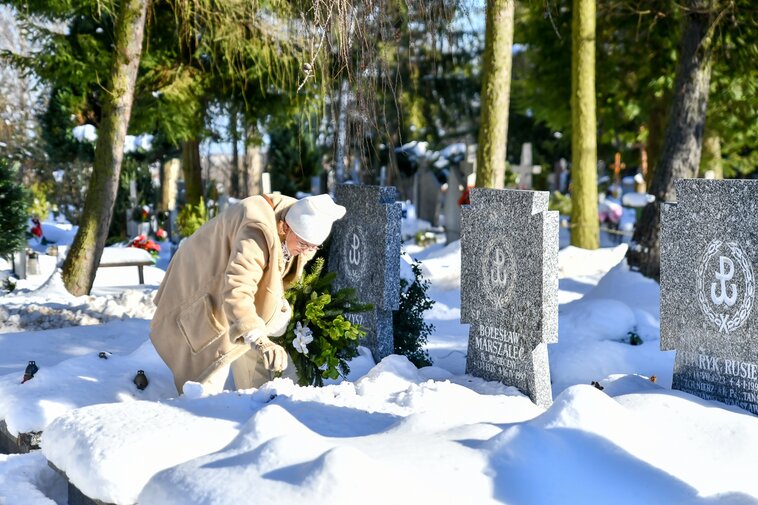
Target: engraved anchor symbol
x=355 y=255
x=723 y=276
x=498 y=275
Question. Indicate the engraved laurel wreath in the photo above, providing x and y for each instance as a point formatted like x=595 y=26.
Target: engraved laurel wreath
x=724 y=322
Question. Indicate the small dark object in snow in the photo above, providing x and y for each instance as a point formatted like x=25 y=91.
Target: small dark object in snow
x=634 y=339
x=31 y=369
x=103 y=355
x=140 y=380
x=653 y=378
x=597 y=385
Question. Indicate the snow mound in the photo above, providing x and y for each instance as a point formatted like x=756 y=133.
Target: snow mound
x=27 y=479
x=78 y=382
x=111 y=451
x=598 y=319
x=51 y=306
x=577 y=262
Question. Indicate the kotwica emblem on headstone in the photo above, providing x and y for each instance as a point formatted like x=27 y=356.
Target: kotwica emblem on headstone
x=498 y=272
x=708 y=258
x=355 y=253
x=365 y=253
x=509 y=287
x=728 y=300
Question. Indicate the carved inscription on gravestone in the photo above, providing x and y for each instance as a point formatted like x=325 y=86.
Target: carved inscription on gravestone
x=509 y=288
x=365 y=253
x=708 y=258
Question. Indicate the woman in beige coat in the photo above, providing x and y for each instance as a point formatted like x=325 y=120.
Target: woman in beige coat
x=223 y=293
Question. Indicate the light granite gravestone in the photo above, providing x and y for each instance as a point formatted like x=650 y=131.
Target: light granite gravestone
x=709 y=259
x=428 y=190
x=509 y=287
x=365 y=253
x=451 y=206
x=525 y=169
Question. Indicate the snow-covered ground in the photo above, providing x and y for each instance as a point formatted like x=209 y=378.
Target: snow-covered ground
x=390 y=433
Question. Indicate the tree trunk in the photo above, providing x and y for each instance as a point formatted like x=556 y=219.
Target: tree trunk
x=168 y=184
x=656 y=127
x=495 y=96
x=584 y=219
x=341 y=147
x=83 y=258
x=711 y=160
x=253 y=168
x=192 y=171
x=684 y=133
x=234 y=175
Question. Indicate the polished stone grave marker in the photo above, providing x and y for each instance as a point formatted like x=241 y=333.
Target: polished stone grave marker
x=365 y=253
x=709 y=254
x=509 y=287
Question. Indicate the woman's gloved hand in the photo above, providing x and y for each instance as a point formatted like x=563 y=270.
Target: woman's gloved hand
x=274 y=355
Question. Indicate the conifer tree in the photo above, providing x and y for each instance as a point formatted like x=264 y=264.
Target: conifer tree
x=14 y=202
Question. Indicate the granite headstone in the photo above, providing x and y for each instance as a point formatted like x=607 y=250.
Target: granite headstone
x=428 y=190
x=525 y=169
x=709 y=255
x=509 y=287
x=365 y=253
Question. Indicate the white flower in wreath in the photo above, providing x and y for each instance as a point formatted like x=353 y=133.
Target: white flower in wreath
x=303 y=337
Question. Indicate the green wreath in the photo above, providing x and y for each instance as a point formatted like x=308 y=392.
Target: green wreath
x=320 y=341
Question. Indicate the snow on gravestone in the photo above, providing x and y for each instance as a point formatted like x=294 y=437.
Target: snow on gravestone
x=709 y=253
x=365 y=253
x=509 y=288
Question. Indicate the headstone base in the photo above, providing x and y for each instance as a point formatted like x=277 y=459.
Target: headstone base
x=505 y=358
x=20 y=444
x=75 y=496
x=724 y=380
x=378 y=327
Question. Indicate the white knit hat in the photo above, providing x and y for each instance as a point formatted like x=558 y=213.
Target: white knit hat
x=311 y=218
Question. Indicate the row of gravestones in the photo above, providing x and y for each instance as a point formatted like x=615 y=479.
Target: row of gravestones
x=509 y=283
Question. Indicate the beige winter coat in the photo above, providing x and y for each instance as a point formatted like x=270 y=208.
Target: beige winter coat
x=226 y=280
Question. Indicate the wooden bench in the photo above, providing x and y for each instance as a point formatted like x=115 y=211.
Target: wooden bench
x=127 y=257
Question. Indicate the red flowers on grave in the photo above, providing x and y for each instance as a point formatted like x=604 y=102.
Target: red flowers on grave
x=161 y=234
x=36 y=228
x=142 y=242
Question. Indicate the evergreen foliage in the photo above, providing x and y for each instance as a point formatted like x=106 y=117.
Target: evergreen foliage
x=318 y=307
x=561 y=203
x=39 y=205
x=14 y=202
x=191 y=217
x=410 y=330
x=293 y=158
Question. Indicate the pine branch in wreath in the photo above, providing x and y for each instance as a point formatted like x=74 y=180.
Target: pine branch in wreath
x=319 y=340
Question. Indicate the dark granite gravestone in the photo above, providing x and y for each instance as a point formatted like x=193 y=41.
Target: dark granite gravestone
x=509 y=288
x=365 y=253
x=18 y=444
x=709 y=254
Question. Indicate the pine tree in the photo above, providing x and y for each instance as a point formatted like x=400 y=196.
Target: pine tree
x=14 y=204
x=408 y=326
